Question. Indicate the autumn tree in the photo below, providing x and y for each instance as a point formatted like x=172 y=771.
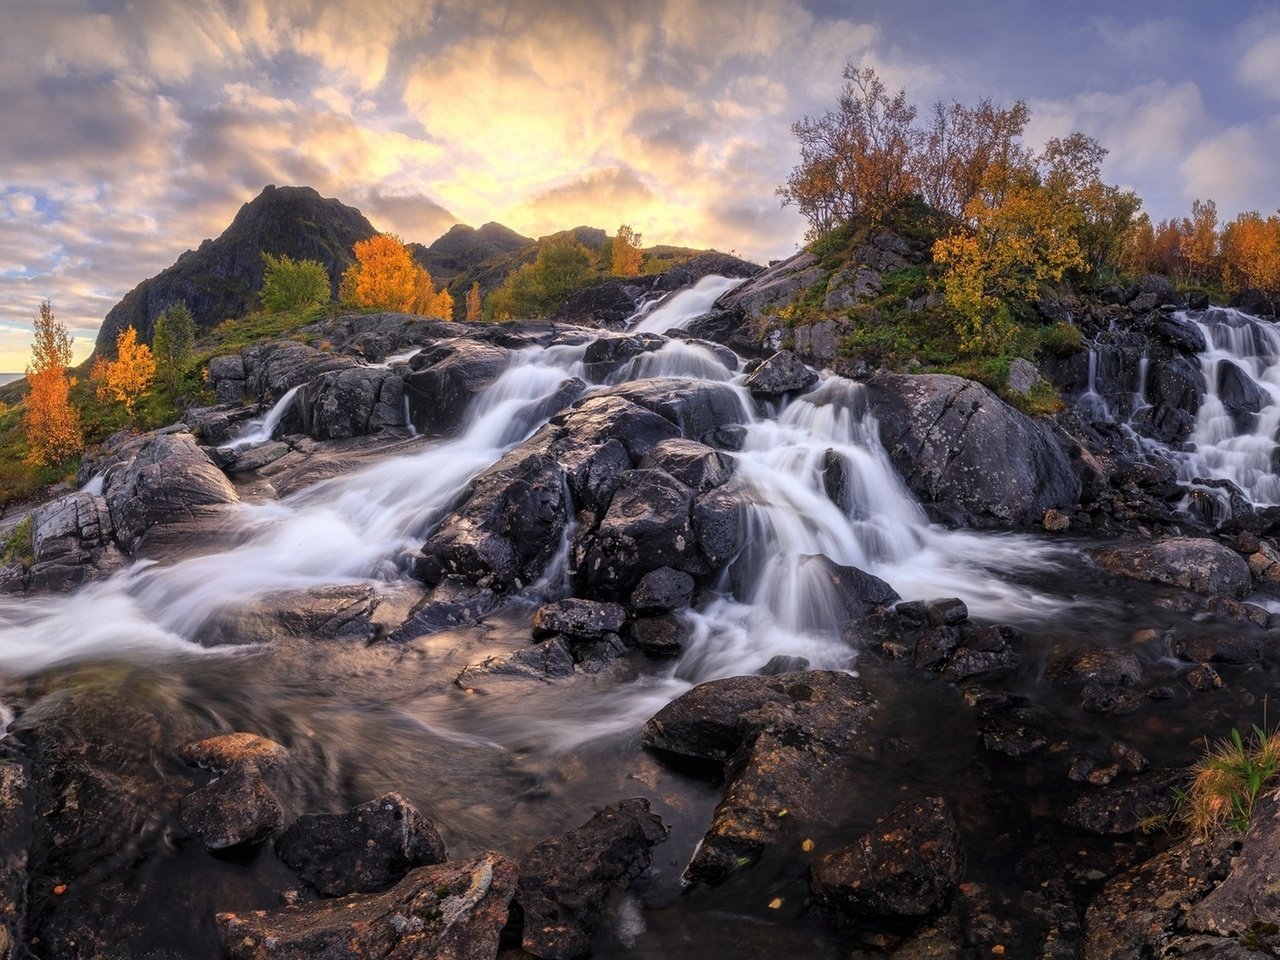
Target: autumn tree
x=384 y=276
x=51 y=423
x=966 y=149
x=289 y=284
x=855 y=160
x=473 y=303
x=1251 y=253
x=1071 y=171
x=626 y=255
x=129 y=375
x=1198 y=241
x=172 y=342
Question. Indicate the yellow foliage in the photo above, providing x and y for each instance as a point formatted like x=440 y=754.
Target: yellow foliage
x=129 y=376
x=473 y=303
x=385 y=277
x=51 y=423
x=1251 y=253
x=627 y=255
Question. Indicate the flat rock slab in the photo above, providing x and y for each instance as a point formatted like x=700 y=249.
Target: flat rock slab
x=452 y=910
x=1192 y=563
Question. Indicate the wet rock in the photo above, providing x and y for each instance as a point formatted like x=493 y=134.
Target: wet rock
x=256 y=457
x=1196 y=564
x=73 y=541
x=351 y=403
x=1141 y=912
x=1056 y=521
x=967 y=662
x=697 y=466
x=226 y=377
x=608 y=354
x=696 y=408
x=781 y=741
x=1204 y=678
x=935 y=646
x=545 y=661
x=1242 y=645
x=781 y=374
x=853 y=593
x=580 y=619
x=1106 y=666
x=1264 y=563
x=1249 y=897
x=236 y=808
x=967 y=453
x=1240 y=394
x=781 y=663
x=446 y=379
x=1120 y=810
x=592 y=656
x=659 y=637
x=661 y=590
x=455 y=910
x=594 y=421
x=367 y=849
x=905 y=868
x=168 y=480
x=354 y=613
x=947 y=612
x=273 y=369
x=1099 y=699
x=1012 y=739
x=230 y=750
x=564 y=882
x=452 y=602
x=718 y=526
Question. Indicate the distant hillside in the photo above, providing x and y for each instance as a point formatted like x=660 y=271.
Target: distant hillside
x=464 y=247
x=223 y=277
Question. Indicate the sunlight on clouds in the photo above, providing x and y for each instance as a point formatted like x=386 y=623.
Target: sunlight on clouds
x=1259 y=67
x=1239 y=168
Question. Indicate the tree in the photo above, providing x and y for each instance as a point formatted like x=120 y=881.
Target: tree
x=856 y=160
x=626 y=255
x=51 y=423
x=1198 y=243
x=968 y=148
x=536 y=289
x=1072 y=173
x=129 y=375
x=473 y=303
x=289 y=284
x=172 y=341
x=1251 y=253
x=384 y=276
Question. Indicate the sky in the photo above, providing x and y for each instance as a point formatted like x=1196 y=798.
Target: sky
x=133 y=130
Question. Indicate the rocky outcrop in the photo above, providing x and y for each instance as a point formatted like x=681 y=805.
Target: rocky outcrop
x=446 y=378
x=455 y=910
x=967 y=454
x=238 y=806
x=223 y=277
x=780 y=741
x=350 y=403
x=1195 y=564
x=564 y=882
x=169 y=479
x=73 y=539
x=364 y=850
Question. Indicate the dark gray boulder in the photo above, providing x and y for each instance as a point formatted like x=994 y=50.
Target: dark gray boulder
x=1240 y=394
x=968 y=454
x=273 y=369
x=694 y=464
x=1196 y=564
x=905 y=867
x=781 y=374
x=350 y=403
x=239 y=807
x=607 y=354
x=366 y=849
x=450 y=910
x=447 y=378
x=73 y=541
x=579 y=619
x=564 y=882
x=661 y=590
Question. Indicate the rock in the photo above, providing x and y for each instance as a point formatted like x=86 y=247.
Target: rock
x=446 y=379
x=73 y=541
x=451 y=910
x=579 y=619
x=697 y=408
x=661 y=590
x=1264 y=563
x=852 y=594
x=937 y=644
x=835 y=480
x=1141 y=912
x=1195 y=564
x=351 y=403
x=1197 y=300
x=905 y=868
x=1249 y=898
x=1241 y=645
x=451 y=603
x=592 y=656
x=1102 y=665
x=166 y=481
x=545 y=661
x=256 y=457
x=781 y=741
x=780 y=664
x=968 y=454
x=820 y=340
x=276 y=367
x=608 y=354
x=1012 y=739
x=947 y=612
x=1240 y=395
x=236 y=808
x=367 y=849
x=696 y=465
x=230 y=750
x=1152 y=291
x=1204 y=678
x=772 y=289
x=781 y=374
x=1056 y=521
x=564 y=882
x=1121 y=810
x=659 y=637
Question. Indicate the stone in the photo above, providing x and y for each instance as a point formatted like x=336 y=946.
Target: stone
x=73 y=540
x=545 y=661
x=1241 y=645
x=236 y=808
x=947 y=612
x=1249 y=897
x=696 y=465
x=662 y=590
x=579 y=619
x=1023 y=377
x=1195 y=564
x=446 y=379
x=779 y=375
x=367 y=849
x=233 y=749
x=905 y=867
x=1056 y=521
x=451 y=910
x=564 y=882
x=660 y=637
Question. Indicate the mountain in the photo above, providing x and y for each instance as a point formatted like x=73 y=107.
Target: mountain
x=222 y=278
x=464 y=247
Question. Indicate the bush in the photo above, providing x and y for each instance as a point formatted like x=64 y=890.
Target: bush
x=17 y=545
x=291 y=284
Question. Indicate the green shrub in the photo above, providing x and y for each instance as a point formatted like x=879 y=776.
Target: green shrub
x=293 y=284
x=17 y=544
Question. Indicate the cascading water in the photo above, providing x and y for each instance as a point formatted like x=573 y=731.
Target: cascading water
x=680 y=309
x=1243 y=357
x=260 y=429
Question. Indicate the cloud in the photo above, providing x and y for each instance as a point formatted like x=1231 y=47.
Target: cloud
x=1239 y=168
x=1258 y=67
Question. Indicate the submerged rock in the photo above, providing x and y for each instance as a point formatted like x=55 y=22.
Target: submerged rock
x=238 y=807
x=904 y=868
x=581 y=619
x=367 y=849
x=1196 y=564
x=564 y=882
x=452 y=910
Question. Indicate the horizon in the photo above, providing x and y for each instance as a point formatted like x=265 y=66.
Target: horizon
x=146 y=128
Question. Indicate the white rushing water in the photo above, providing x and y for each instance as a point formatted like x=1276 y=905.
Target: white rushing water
x=366 y=525
x=680 y=309
x=259 y=429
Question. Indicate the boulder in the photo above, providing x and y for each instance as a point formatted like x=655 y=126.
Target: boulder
x=904 y=868
x=273 y=369
x=659 y=637
x=969 y=455
x=238 y=806
x=1240 y=394
x=564 y=882
x=696 y=465
x=72 y=539
x=351 y=403
x=781 y=374
x=579 y=619
x=772 y=289
x=1249 y=898
x=446 y=379
x=545 y=661
x=1195 y=564
x=169 y=478
x=780 y=741
x=608 y=354
x=366 y=849
x=697 y=408
x=451 y=910
x=661 y=590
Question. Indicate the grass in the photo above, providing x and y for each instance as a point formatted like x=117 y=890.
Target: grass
x=1229 y=780
x=17 y=544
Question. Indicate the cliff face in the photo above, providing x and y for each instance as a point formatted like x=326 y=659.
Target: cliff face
x=464 y=247
x=222 y=277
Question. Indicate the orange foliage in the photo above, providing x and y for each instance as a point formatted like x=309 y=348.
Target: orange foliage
x=127 y=377
x=1251 y=253
x=52 y=425
x=473 y=303
x=385 y=277
x=627 y=255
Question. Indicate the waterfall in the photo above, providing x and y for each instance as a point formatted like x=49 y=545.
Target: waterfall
x=259 y=429
x=680 y=309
